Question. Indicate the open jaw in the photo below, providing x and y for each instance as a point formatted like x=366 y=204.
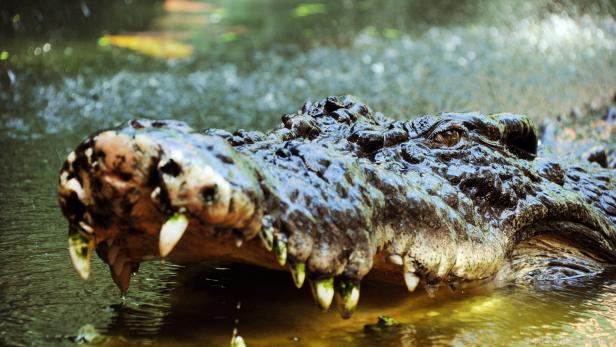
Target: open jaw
x=336 y=194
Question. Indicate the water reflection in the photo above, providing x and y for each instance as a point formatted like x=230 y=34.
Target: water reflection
x=155 y=46
x=203 y=313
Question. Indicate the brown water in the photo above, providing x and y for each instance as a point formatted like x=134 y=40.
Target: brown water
x=248 y=62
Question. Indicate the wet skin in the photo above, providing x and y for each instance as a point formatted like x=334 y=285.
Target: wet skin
x=338 y=193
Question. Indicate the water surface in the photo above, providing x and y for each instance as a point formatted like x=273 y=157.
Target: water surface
x=247 y=63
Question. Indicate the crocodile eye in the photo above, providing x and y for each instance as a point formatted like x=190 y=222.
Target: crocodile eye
x=448 y=138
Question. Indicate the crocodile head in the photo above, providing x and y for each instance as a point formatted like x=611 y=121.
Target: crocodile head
x=337 y=192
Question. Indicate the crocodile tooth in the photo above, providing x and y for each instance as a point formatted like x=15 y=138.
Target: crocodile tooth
x=298 y=272
x=267 y=236
x=347 y=297
x=411 y=281
x=238 y=242
x=431 y=289
x=155 y=193
x=395 y=259
x=171 y=232
x=85 y=227
x=118 y=265
x=237 y=341
x=80 y=247
x=112 y=254
x=280 y=248
x=323 y=292
x=121 y=275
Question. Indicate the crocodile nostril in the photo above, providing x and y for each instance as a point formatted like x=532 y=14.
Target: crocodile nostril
x=171 y=168
x=209 y=193
x=135 y=124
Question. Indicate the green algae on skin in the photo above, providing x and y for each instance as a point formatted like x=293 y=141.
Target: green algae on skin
x=280 y=248
x=81 y=247
x=323 y=292
x=298 y=272
x=347 y=296
x=267 y=236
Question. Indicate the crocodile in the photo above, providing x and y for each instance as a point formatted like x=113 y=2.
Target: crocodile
x=338 y=193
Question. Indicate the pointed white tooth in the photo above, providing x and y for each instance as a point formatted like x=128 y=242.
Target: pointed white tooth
x=411 y=281
x=298 y=272
x=323 y=291
x=80 y=248
x=395 y=259
x=112 y=254
x=171 y=232
x=155 y=193
x=238 y=242
x=347 y=297
x=86 y=227
x=237 y=341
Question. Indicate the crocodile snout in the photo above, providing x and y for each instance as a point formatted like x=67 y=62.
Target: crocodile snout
x=158 y=179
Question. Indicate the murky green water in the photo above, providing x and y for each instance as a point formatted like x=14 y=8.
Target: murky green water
x=250 y=62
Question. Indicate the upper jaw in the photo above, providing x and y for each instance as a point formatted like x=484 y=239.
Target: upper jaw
x=133 y=191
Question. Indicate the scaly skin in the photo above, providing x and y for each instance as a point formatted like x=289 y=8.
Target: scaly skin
x=342 y=192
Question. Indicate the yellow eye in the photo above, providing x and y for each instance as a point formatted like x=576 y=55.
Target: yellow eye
x=447 y=138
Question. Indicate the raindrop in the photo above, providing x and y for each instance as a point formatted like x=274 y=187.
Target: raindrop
x=378 y=68
x=11 y=75
x=85 y=10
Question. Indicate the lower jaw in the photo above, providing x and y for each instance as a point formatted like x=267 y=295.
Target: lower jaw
x=526 y=258
x=200 y=246
x=549 y=258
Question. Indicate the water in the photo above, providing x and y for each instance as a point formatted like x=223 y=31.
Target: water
x=249 y=62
